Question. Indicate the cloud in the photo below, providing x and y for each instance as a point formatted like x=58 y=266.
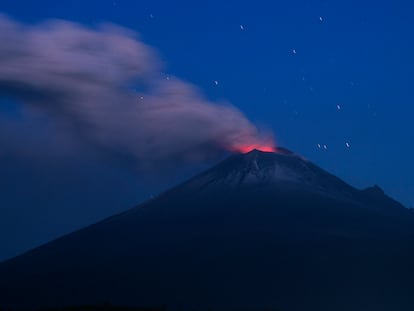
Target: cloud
x=108 y=87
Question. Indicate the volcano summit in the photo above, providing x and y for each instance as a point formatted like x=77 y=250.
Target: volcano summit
x=259 y=230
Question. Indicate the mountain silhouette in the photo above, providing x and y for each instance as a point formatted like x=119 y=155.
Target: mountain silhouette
x=258 y=231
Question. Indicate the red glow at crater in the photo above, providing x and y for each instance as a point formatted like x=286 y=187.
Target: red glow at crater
x=260 y=147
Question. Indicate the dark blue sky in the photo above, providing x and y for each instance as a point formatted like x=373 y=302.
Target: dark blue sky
x=334 y=73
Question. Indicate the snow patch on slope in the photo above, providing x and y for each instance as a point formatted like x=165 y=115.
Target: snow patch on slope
x=277 y=170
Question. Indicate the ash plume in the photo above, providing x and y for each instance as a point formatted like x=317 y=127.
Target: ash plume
x=109 y=87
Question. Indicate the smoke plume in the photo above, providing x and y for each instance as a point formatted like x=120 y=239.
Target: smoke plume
x=110 y=88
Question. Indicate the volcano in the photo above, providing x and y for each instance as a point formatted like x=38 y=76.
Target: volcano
x=261 y=230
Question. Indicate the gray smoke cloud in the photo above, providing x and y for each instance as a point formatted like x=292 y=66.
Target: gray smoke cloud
x=110 y=88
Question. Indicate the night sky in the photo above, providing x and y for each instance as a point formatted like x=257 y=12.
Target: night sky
x=333 y=81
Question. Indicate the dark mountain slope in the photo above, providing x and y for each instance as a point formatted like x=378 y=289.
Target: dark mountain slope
x=258 y=230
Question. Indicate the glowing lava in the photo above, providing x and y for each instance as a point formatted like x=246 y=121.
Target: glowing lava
x=260 y=147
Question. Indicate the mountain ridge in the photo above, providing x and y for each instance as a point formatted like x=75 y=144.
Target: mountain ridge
x=249 y=232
